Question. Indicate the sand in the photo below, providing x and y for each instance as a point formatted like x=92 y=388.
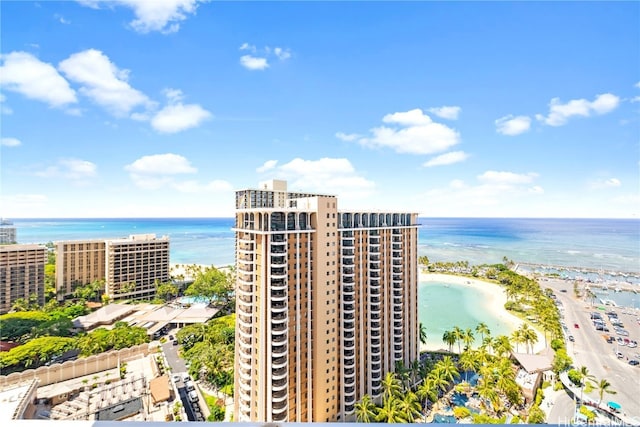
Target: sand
x=494 y=300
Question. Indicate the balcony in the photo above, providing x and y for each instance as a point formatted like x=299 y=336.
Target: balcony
x=348 y=343
x=375 y=359
x=348 y=288
x=348 y=326
x=376 y=375
x=278 y=260
x=277 y=250
x=348 y=362
x=279 y=407
x=279 y=385
x=278 y=285
x=278 y=328
x=278 y=273
x=374 y=299
x=279 y=339
x=397 y=347
x=278 y=306
x=349 y=372
x=279 y=317
x=348 y=297
x=348 y=316
x=278 y=350
x=376 y=367
x=279 y=396
x=278 y=374
x=349 y=335
x=375 y=341
x=349 y=353
x=278 y=294
x=279 y=362
x=349 y=390
x=347 y=253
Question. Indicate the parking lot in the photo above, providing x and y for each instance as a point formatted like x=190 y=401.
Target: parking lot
x=589 y=346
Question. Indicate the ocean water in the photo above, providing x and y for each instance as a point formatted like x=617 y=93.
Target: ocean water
x=584 y=243
x=606 y=244
x=435 y=301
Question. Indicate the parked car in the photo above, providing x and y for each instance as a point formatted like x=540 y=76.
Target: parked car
x=193 y=396
x=175 y=342
x=634 y=362
x=190 y=386
x=575 y=325
x=571 y=338
x=619 y=355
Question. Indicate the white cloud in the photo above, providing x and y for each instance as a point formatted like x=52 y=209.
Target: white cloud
x=326 y=176
x=447 y=159
x=349 y=137
x=73 y=169
x=506 y=178
x=510 y=125
x=282 y=53
x=10 y=142
x=249 y=47
x=156 y=15
x=259 y=58
x=61 y=19
x=269 y=164
x=161 y=164
x=560 y=113
x=103 y=82
x=637 y=85
x=178 y=117
x=253 y=62
x=446 y=112
x=635 y=99
x=23 y=73
x=606 y=183
x=495 y=194
x=415 y=133
x=173 y=95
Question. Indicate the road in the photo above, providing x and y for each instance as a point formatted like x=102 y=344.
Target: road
x=591 y=350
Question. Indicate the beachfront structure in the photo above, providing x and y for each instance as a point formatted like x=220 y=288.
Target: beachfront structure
x=135 y=265
x=130 y=267
x=326 y=304
x=7 y=233
x=21 y=274
x=78 y=263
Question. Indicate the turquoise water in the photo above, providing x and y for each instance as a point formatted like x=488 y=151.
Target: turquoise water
x=193 y=300
x=609 y=244
x=442 y=306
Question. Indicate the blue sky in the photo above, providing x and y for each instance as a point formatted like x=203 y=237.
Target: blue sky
x=124 y=108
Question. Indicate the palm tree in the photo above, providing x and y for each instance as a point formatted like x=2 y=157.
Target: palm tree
x=449 y=338
x=482 y=329
x=390 y=411
x=410 y=407
x=390 y=386
x=502 y=345
x=516 y=337
x=584 y=375
x=486 y=390
x=468 y=362
x=604 y=387
x=468 y=338
x=423 y=333
x=365 y=410
x=528 y=336
x=448 y=368
x=428 y=391
x=459 y=334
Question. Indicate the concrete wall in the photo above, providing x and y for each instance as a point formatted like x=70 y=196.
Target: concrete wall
x=77 y=368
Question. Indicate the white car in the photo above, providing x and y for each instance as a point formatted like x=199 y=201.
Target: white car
x=193 y=396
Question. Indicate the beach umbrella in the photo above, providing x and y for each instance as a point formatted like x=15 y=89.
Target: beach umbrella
x=614 y=405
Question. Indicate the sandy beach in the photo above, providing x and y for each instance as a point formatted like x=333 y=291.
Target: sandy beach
x=494 y=299
x=184 y=270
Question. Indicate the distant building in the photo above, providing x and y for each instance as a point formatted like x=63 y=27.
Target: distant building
x=7 y=233
x=129 y=266
x=326 y=304
x=134 y=265
x=78 y=263
x=21 y=274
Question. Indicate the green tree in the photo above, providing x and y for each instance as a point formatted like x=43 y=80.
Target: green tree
x=603 y=387
x=391 y=386
x=459 y=334
x=409 y=407
x=449 y=338
x=468 y=338
x=365 y=410
x=390 y=411
x=536 y=415
x=214 y=285
x=483 y=329
x=166 y=291
x=448 y=368
x=423 y=333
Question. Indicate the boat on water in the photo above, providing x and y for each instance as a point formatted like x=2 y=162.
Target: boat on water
x=608 y=302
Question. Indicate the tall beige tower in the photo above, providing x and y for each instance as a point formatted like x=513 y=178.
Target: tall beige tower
x=326 y=304
x=21 y=274
x=78 y=263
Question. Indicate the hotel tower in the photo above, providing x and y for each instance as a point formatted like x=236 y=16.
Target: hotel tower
x=327 y=304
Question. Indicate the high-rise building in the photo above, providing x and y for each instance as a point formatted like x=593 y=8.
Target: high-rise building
x=78 y=262
x=326 y=304
x=135 y=264
x=21 y=274
x=129 y=266
x=7 y=232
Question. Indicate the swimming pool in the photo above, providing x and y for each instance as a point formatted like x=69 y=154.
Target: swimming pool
x=193 y=301
x=448 y=419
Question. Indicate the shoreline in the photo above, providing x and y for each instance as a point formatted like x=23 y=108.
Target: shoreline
x=178 y=269
x=492 y=301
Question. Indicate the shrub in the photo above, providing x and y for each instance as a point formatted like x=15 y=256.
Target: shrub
x=575 y=377
x=545 y=384
x=461 y=412
x=588 y=413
